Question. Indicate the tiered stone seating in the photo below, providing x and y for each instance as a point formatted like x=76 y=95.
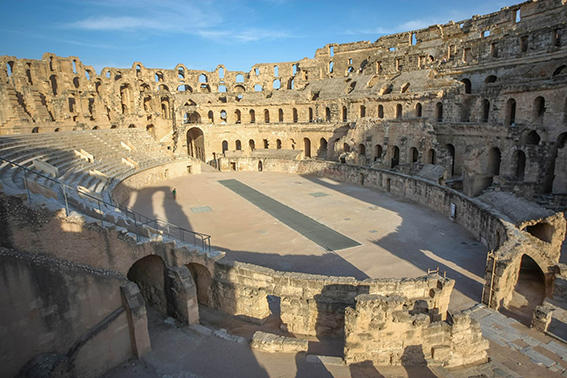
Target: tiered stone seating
x=59 y=150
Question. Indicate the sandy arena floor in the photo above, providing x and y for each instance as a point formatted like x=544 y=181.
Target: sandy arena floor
x=397 y=238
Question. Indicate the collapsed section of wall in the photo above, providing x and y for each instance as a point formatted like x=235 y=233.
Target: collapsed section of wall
x=390 y=330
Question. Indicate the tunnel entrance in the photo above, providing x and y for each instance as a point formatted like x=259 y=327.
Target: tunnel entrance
x=528 y=293
x=149 y=274
x=203 y=280
x=196 y=143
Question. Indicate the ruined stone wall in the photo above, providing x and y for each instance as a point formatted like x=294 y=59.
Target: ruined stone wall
x=390 y=330
x=48 y=305
x=457 y=91
x=310 y=304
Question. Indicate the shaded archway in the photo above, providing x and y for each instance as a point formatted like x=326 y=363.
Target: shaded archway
x=149 y=274
x=196 y=143
x=203 y=280
x=451 y=156
x=529 y=291
x=322 y=151
x=306 y=147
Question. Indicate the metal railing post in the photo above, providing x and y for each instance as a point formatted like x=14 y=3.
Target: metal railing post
x=65 y=198
x=27 y=186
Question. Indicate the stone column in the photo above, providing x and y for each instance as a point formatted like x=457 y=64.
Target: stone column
x=137 y=319
x=182 y=295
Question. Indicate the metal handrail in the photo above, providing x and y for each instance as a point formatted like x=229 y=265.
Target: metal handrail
x=162 y=226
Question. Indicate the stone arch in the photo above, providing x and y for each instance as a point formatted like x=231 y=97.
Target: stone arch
x=196 y=143
x=252 y=144
x=224 y=146
x=322 y=151
x=451 y=156
x=149 y=274
x=439 y=112
x=530 y=137
x=519 y=164
x=252 y=116
x=377 y=152
x=510 y=118
x=418 y=110
x=431 y=156
x=414 y=155
x=280 y=115
x=493 y=161
x=306 y=147
x=203 y=280
x=395 y=157
x=529 y=290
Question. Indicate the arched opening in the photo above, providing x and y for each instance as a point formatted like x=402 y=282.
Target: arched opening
x=439 y=112
x=418 y=110
x=346 y=147
x=493 y=162
x=266 y=116
x=294 y=115
x=149 y=274
x=196 y=143
x=238 y=145
x=223 y=116
x=252 y=144
x=490 y=79
x=203 y=280
x=35 y=130
x=344 y=113
x=451 y=156
x=310 y=114
x=414 y=153
x=542 y=230
x=530 y=138
x=327 y=114
x=322 y=151
x=53 y=81
x=377 y=152
x=399 y=111
x=510 y=112
x=395 y=157
x=431 y=158
x=252 y=116
x=237 y=116
x=485 y=110
x=278 y=144
x=211 y=116
x=193 y=117
x=519 y=160
x=131 y=126
x=306 y=147
x=362 y=111
x=266 y=144
x=224 y=146
x=280 y=115
x=539 y=108
x=467 y=85
x=529 y=291
x=362 y=149
x=260 y=166
x=380 y=111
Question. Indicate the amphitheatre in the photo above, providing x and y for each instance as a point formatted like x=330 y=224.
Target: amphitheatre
x=386 y=208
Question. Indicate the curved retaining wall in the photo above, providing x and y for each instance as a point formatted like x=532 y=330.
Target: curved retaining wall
x=492 y=228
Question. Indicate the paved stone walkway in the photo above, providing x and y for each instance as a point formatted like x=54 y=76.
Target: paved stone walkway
x=506 y=332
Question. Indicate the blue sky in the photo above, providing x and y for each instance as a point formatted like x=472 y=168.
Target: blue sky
x=203 y=34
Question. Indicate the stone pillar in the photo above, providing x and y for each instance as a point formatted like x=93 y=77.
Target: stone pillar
x=542 y=317
x=182 y=295
x=135 y=307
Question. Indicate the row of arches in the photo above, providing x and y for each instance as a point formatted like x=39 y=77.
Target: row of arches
x=321 y=151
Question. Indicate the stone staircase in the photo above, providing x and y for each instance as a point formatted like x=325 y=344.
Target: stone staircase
x=60 y=150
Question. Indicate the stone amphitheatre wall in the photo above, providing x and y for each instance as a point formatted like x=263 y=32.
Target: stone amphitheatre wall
x=310 y=304
x=71 y=310
x=493 y=229
x=486 y=97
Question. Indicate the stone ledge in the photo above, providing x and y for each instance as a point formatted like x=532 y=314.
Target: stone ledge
x=269 y=342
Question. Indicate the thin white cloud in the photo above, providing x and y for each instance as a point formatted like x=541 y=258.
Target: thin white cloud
x=203 y=19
